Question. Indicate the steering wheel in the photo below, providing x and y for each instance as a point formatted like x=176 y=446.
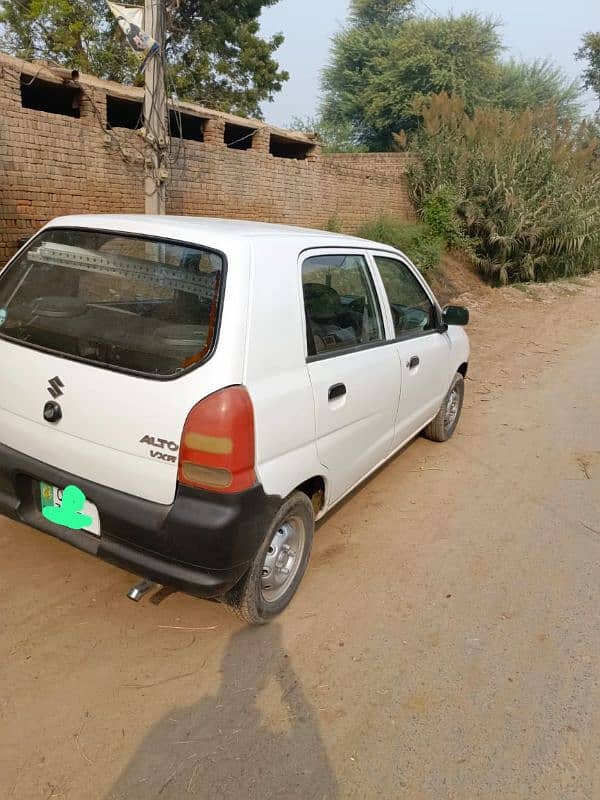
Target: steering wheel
x=415 y=319
x=357 y=305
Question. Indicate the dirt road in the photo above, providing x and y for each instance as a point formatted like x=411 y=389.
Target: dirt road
x=445 y=642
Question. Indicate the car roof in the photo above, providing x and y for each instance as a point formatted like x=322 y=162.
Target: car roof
x=210 y=231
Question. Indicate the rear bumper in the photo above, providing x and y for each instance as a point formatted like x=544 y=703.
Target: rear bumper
x=202 y=543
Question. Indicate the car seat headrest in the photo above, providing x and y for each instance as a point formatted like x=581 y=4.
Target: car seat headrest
x=322 y=302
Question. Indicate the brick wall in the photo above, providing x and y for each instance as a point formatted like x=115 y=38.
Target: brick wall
x=52 y=164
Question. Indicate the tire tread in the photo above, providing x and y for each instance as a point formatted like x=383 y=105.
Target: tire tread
x=245 y=598
x=436 y=430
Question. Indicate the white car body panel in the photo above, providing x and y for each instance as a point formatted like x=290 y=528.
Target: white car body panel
x=424 y=387
x=355 y=431
x=261 y=344
x=276 y=373
x=106 y=413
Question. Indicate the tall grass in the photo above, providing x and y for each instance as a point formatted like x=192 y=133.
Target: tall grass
x=523 y=189
x=422 y=245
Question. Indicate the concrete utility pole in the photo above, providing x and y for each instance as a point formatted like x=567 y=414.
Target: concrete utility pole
x=156 y=119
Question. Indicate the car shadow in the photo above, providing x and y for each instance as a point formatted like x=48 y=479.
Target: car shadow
x=225 y=745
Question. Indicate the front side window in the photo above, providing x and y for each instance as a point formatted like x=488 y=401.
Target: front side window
x=119 y=301
x=339 y=300
x=412 y=310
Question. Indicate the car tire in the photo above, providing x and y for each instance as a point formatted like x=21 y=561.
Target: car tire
x=279 y=566
x=442 y=427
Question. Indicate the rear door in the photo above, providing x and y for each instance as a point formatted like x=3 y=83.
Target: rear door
x=110 y=327
x=423 y=350
x=354 y=371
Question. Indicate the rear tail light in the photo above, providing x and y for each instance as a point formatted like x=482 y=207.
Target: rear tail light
x=217 y=444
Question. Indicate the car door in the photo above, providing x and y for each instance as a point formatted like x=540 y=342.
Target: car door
x=421 y=345
x=353 y=369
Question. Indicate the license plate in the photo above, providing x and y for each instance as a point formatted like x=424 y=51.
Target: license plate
x=52 y=496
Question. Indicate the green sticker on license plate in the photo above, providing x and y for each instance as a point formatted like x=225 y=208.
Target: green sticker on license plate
x=69 y=508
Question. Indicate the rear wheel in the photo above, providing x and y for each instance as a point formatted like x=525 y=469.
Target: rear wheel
x=276 y=572
x=443 y=426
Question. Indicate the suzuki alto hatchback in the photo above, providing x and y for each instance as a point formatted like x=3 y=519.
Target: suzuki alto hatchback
x=203 y=390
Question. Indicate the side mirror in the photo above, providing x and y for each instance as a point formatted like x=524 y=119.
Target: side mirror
x=455 y=315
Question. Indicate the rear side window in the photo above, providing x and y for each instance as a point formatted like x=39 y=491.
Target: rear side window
x=339 y=300
x=119 y=301
x=412 y=310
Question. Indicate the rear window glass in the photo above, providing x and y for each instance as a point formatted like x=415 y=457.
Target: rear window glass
x=119 y=301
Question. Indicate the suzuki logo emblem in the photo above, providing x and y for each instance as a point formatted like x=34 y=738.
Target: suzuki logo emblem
x=56 y=386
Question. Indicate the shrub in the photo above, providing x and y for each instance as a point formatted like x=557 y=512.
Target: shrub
x=438 y=212
x=525 y=188
x=415 y=239
x=333 y=224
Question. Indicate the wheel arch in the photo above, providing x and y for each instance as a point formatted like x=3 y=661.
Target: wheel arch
x=315 y=489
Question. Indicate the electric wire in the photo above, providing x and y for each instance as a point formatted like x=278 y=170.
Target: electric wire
x=431 y=11
x=242 y=138
x=162 y=146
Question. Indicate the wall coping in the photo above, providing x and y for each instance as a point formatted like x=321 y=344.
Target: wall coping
x=54 y=74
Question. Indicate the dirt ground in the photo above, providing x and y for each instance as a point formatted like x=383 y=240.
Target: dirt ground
x=444 y=644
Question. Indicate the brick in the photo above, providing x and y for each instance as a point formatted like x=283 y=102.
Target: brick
x=51 y=164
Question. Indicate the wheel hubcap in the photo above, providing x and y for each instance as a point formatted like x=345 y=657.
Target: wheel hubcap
x=283 y=559
x=451 y=409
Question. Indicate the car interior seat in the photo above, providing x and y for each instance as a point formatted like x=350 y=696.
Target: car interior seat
x=331 y=323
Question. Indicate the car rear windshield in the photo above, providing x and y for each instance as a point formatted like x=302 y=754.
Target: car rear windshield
x=116 y=300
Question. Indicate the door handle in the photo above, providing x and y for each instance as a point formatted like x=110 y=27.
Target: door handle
x=414 y=362
x=337 y=390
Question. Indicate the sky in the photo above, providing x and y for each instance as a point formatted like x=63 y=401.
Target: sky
x=531 y=29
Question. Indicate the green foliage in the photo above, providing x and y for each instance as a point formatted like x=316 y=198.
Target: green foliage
x=70 y=32
x=334 y=138
x=380 y=12
x=376 y=71
x=590 y=52
x=348 y=79
x=334 y=224
x=438 y=212
x=526 y=188
x=215 y=53
x=537 y=84
x=387 y=56
x=419 y=243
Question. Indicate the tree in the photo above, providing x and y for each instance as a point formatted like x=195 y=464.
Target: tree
x=523 y=85
x=381 y=12
x=590 y=52
x=334 y=139
x=386 y=57
x=214 y=51
x=353 y=69
x=377 y=69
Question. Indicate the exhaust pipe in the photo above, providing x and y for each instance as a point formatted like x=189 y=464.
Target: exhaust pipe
x=139 y=590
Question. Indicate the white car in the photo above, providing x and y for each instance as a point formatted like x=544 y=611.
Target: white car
x=185 y=397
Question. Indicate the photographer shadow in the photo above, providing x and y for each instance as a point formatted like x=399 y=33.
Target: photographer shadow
x=225 y=747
